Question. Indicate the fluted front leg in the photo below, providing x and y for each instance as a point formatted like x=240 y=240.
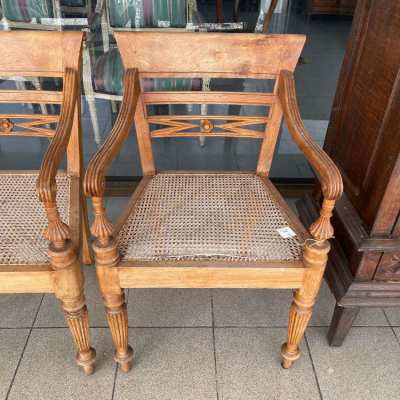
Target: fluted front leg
x=117 y=318
x=68 y=287
x=78 y=323
x=107 y=258
x=299 y=316
x=315 y=258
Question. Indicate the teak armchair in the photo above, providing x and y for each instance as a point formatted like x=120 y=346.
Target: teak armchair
x=28 y=262
x=209 y=229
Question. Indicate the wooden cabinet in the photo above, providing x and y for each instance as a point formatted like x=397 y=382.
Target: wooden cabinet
x=331 y=7
x=363 y=139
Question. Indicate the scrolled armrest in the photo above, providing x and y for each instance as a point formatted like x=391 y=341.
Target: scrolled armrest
x=57 y=232
x=329 y=175
x=94 y=182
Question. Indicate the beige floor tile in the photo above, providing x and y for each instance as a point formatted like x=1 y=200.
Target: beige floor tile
x=48 y=369
x=170 y=364
x=12 y=343
x=366 y=366
x=248 y=366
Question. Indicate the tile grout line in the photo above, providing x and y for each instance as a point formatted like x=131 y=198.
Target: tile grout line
x=24 y=348
x=115 y=381
x=313 y=365
x=391 y=327
x=195 y=327
x=214 y=348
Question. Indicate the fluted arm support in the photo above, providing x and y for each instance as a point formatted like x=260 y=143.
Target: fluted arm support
x=57 y=231
x=329 y=175
x=94 y=182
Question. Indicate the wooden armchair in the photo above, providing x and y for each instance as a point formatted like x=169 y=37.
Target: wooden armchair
x=40 y=243
x=209 y=229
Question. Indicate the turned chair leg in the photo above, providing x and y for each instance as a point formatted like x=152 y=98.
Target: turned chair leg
x=78 y=323
x=114 y=300
x=68 y=284
x=315 y=257
x=117 y=318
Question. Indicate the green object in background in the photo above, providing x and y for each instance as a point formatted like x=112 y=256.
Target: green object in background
x=109 y=73
x=140 y=14
x=73 y=3
x=147 y=13
x=26 y=10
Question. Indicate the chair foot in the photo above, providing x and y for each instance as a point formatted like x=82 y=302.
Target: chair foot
x=286 y=364
x=125 y=360
x=288 y=357
x=86 y=360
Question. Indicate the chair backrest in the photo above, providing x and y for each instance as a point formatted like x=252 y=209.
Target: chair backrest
x=214 y=55
x=37 y=54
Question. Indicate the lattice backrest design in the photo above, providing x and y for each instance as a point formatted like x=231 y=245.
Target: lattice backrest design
x=172 y=55
x=30 y=55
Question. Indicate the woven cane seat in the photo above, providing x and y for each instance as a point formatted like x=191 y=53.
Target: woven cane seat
x=206 y=217
x=23 y=219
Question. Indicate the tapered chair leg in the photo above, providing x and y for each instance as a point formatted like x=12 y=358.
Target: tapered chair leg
x=78 y=323
x=315 y=257
x=68 y=283
x=114 y=300
x=117 y=318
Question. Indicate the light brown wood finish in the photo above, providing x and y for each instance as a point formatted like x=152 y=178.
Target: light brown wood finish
x=34 y=54
x=52 y=54
x=208 y=98
x=28 y=96
x=331 y=181
x=209 y=54
x=245 y=56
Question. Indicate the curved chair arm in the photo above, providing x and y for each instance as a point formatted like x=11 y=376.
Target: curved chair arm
x=329 y=175
x=94 y=182
x=57 y=232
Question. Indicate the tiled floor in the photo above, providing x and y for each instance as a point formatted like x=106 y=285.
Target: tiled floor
x=197 y=345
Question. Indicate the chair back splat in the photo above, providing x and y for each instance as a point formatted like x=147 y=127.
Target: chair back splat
x=194 y=55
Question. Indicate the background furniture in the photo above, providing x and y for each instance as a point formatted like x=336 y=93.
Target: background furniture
x=331 y=7
x=364 y=140
x=208 y=229
x=28 y=263
x=44 y=14
x=103 y=56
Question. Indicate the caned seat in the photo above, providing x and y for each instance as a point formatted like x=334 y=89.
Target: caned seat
x=191 y=229
x=207 y=217
x=23 y=218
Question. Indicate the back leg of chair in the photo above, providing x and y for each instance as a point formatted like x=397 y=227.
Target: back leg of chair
x=107 y=258
x=68 y=281
x=315 y=258
x=87 y=257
